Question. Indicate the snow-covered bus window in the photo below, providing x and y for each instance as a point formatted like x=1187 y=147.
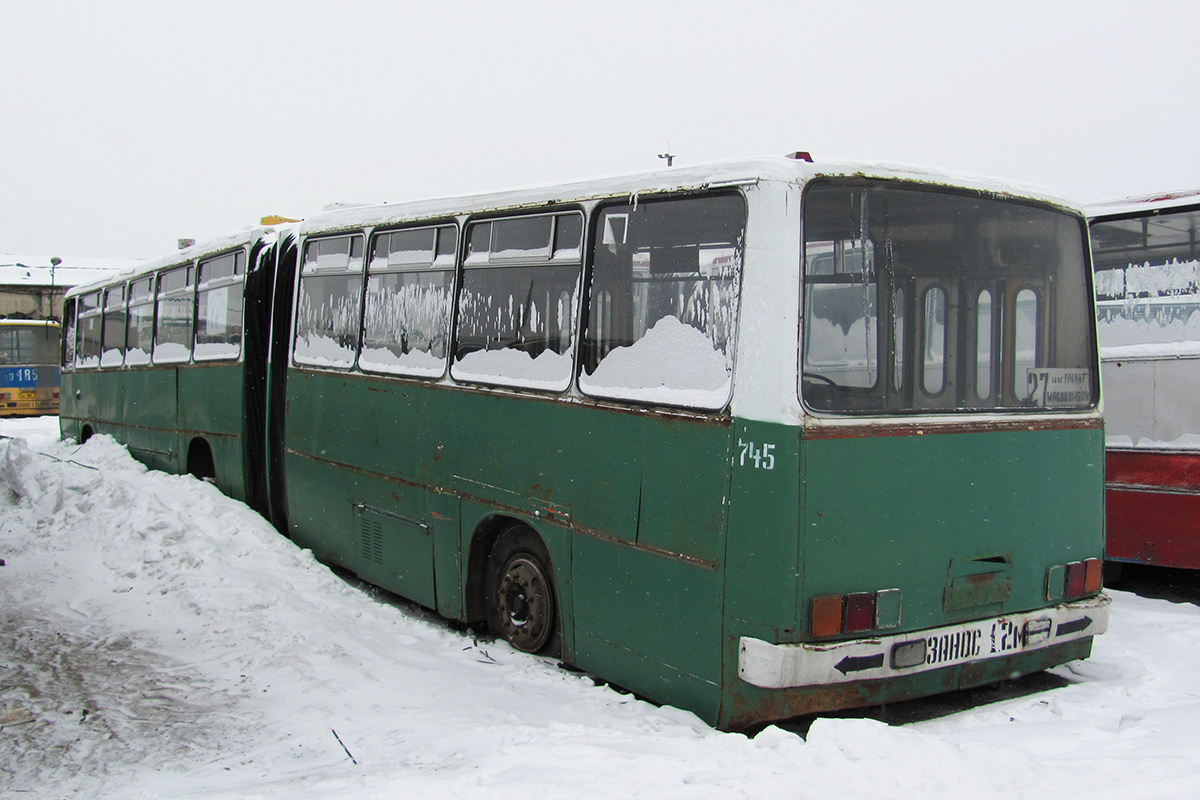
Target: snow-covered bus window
x=112 y=349
x=664 y=301
x=139 y=332
x=68 y=333
x=219 y=307
x=175 y=313
x=329 y=306
x=1148 y=281
x=517 y=303
x=90 y=319
x=410 y=288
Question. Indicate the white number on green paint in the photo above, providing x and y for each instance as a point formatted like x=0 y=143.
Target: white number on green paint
x=760 y=455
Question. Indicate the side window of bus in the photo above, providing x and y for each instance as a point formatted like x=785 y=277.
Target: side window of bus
x=139 y=332
x=410 y=288
x=68 y=334
x=330 y=302
x=517 y=303
x=663 y=301
x=219 y=307
x=1147 y=278
x=176 y=311
x=90 y=321
x=112 y=349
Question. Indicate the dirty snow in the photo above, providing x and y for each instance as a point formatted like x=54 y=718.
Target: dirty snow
x=161 y=640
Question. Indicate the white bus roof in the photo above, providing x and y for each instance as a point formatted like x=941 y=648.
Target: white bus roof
x=1143 y=203
x=664 y=179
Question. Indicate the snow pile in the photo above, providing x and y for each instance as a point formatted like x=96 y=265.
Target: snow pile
x=673 y=363
x=509 y=366
x=161 y=640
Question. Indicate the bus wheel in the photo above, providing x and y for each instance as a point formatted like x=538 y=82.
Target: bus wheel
x=519 y=592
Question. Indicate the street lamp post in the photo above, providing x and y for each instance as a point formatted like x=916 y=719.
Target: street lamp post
x=54 y=262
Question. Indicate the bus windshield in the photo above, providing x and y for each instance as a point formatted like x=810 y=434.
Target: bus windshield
x=919 y=300
x=28 y=345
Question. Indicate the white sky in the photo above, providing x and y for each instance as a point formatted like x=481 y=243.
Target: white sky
x=126 y=125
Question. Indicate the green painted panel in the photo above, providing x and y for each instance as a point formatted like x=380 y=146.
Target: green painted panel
x=763 y=553
x=151 y=398
x=395 y=553
x=685 y=486
x=648 y=622
x=319 y=510
x=920 y=512
x=210 y=398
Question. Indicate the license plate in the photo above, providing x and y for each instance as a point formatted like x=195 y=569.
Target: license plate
x=993 y=637
x=28 y=395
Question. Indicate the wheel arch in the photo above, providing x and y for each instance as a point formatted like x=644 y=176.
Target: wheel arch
x=482 y=539
x=200 y=461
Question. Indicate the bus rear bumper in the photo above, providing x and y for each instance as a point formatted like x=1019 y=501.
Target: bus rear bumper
x=783 y=666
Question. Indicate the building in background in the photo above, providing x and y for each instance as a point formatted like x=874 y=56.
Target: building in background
x=32 y=287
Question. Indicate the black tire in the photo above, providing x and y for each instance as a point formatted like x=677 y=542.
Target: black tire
x=522 y=605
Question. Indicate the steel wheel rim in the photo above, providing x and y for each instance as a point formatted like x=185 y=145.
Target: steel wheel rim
x=525 y=604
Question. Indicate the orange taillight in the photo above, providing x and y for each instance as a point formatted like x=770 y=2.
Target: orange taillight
x=826 y=615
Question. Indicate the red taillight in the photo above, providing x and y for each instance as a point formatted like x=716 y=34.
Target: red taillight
x=1076 y=578
x=1066 y=582
x=860 y=612
x=56 y=394
x=854 y=613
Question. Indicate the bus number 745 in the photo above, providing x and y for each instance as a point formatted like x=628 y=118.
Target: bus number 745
x=761 y=455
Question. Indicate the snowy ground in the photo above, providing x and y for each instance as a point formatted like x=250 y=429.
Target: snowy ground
x=160 y=640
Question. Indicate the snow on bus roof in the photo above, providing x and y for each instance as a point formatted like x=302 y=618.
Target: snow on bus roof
x=183 y=256
x=664 y=179
x=1143 y=203
x=349 y=216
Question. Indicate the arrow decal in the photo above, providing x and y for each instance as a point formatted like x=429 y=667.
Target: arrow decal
x=858 y=664
x=1073 y=626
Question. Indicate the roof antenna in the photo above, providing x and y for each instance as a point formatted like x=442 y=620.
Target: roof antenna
x=669 y=156
x=800 y=155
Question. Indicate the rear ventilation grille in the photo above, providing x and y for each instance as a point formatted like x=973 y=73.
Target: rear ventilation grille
x=372 y=540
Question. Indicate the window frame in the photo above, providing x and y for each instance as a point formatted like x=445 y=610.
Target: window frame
x=185 y=291
x=440 y=263
x=203 y=287
x=473 y=262
x=304 y=271
x=136 y=303
x=1032 y=245
x=593 y=238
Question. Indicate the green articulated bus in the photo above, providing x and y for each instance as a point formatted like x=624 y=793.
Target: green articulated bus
x=755 y=439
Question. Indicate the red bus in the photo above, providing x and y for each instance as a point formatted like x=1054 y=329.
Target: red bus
x=1147 y=274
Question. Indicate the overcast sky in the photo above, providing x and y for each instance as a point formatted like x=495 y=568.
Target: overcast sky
x=126 y=125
